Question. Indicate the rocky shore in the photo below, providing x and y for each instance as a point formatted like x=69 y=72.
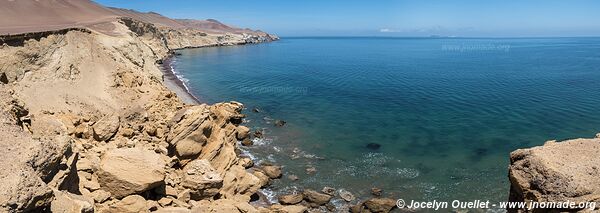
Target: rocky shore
x=90 y=123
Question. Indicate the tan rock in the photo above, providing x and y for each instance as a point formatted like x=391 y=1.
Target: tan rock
x=165 y=201
x=346 y=195
x=239 y=185
x=288 y=209
x=202 y=179
x=380 y=204
x=91 y=185
x=242 y=132
x=171 y=191
x=556 y=172
x=69 y=203
x=247 y=142
x=294 y=209
x=130 y=204
x=128 y=132
x=246 y=162
x=316 y=198
x=185 y=195
x=274 y=172
x=173 y=210
x=221 y=205
x=106 y=127
x=290 y=199
x=328 y=190
x=127 y=171
x=262 y=177
x=100 y=196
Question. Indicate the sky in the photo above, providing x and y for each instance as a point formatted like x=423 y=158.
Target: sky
x=409 y=18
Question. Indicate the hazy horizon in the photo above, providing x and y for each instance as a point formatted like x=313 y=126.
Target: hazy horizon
x=389 y=18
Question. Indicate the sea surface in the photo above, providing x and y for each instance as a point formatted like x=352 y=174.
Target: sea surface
x=445 y=112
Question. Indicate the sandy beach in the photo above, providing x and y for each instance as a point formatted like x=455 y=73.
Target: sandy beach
x=175 y=84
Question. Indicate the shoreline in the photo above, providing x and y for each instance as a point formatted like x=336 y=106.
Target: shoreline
x=175 y=83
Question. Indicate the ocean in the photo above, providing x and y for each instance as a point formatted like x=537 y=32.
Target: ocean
x=421 y=118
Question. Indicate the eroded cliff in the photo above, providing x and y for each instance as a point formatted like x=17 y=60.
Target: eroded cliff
x=89 y=126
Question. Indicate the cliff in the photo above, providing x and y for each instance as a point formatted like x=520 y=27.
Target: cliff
x=88 y=124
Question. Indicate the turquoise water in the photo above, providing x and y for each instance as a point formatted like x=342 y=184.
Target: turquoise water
x=446 y=112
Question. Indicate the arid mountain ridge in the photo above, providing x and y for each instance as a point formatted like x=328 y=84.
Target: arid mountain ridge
x=16 y=17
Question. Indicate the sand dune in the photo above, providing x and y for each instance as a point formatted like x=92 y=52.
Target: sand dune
x=23 y=16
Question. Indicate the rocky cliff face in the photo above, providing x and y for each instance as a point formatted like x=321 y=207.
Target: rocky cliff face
x=89 y=126
x=556 y=172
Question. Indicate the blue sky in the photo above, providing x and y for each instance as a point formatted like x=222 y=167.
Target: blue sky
x=474 y=18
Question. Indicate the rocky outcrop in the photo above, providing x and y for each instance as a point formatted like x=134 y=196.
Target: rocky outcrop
x=556 y=172
x=89 y=126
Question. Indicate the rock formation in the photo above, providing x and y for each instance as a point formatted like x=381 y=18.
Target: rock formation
x=89 y=126
x=556 y=172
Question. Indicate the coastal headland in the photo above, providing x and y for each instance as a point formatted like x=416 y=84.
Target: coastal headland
x=91 y=121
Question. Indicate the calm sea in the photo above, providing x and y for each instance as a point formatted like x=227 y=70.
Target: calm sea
x=445 y=112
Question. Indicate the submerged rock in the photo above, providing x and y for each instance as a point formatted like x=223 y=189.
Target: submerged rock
x=258 y=133
x=280 y=123
x=376 y=191
x=373 y=146
x=346 y=195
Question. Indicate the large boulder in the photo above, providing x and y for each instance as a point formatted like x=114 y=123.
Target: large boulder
x=316 y=198
x=202 y=179
x=206 y=132
x=290 y=199
x=380 y=204
x=274 y=172
x=129 y=171
x=106 y=127
x=556 y=172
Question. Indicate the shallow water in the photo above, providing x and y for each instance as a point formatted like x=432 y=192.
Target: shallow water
x=446 y=112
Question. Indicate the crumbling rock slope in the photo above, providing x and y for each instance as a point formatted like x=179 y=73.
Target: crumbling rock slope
x=87 y=124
